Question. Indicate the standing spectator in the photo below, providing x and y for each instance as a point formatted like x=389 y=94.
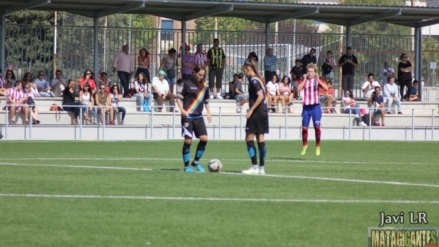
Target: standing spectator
x=284 y=94
x=272 y=89
x=270 y=64
x=390 y=93
x=216 y=60
x=15 y=101
x=10 y=79
x=162 y=92
x=69 y=103
x=168 y=66
x=200 y=57
x=350 y=106
x=123 y=64
x=88 y=78
x=58 y=84
x=103 y=103
x=296 y=74
x=115 y=99
x=386 y=72
x=348 y=62
x=368 y=87
x=414 y=92
x=404 y=76
x=329 y=66
x=143 y=91
x=86 y=98
x=307 y=59
x=240 y=96
x=3 y=89
x=187 y=63
x=143 y=63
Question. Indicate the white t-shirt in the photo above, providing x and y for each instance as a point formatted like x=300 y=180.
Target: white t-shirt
x=384 y=73
x=163 y=86
x=142 y=87
x=346 y=105
x=272 y=88
x=370 y=89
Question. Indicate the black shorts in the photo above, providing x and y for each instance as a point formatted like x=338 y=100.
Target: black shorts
x=190 y=126
x=257 y=123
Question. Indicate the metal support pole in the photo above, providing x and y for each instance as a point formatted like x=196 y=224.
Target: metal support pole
x=350 y=124
x=348 y=35
x=240 y=125
x=2 y=41
x=151 y=121
x=183 y=34
x=30 y=124
x=267 y=34
x=95 y=44
x=418 y=58
x=103 y=122
x=413 y=122
x=173 y=124
x=81 y=118
x=286 y=116
x=370 y=123
x=6 y=122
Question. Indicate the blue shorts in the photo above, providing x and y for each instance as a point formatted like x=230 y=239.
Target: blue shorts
x=311 y=111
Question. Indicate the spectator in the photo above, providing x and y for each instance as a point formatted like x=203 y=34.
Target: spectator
x=404 y=76
x=69 y=103
x=231 y=94
x=270 y=64
x=88 y=78
x=115 y=99
x=123 y=64
x=216 y=60
x=58 y=84
x=329 y=66
x=3 y=90
x=43 y=85
x=386 y=72
x=180 y=85
x=143 y=63
x=27 y=78
x=350 y=106
x=10 y=79
x=348 y=62
x=16 y=101
x=168 y=66
x=188 y=63
x=86 y=98
x=296 y=74
x=307 y=59
x=200 y=57
x=272 y=88
x=29 y=100
x=414 y=91
x=240 y=96
x=161 y=91
x=34 y=90
x=103 y=103
x=368 y=88
x=378 y=106
x=143 y=91
x=390 y=93
x=285 y=95
x=107 y=81
x=328 y=96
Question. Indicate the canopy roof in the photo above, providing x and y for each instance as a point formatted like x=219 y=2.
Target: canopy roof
x=255 y=11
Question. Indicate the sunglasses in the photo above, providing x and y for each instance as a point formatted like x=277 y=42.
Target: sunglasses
x=58 y=74
x=41 y=74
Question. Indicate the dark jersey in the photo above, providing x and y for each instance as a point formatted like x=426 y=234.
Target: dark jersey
x=348 y=68
x=255 y=88
x=297 y=72
x=194 y=98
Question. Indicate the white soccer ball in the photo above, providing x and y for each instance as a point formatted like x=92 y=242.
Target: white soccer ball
x=215 y=165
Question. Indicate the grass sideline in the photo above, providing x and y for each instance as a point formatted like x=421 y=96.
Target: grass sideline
x=135 y=193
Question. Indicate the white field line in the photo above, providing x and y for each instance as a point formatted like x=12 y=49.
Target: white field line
x=121 y=197
x=234 y=173
x=233 y=160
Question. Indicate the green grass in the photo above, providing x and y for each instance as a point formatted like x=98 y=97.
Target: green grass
x=133 y=218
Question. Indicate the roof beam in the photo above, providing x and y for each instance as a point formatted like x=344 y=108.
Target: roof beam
x=294 y=15
x=27 y=5
x=429 y=22
x=381 y=16
x=86 y=14
x=122 y=9
x=256 y=19
x=217 y=10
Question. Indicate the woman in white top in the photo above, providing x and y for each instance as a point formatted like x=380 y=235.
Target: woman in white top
x=86 y=98
x=143 y=90
x=349 y=105
x=272 y=88
x=115 y=99
x=168 y=64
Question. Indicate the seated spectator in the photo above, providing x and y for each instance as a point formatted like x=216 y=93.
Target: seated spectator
x=390 y=93
x=69 y=103
x=115 y=99
x=296 y=74
x=143 y=91
x=103 y=103
x=272 y=88
x=240 y=96
x=104 y=78
x=88 y=77
x=58 y=84
x=179 y=85
x=285 y=94
x=162 y=91
x=350 y=106
x=34 y=90
x=29 y=100
x=368 y=88
x=16 y=101
x=86 y=98
x=378 y=106
x=327 y=96
x=43 y=85
x=231 y=93
x=10 y=79
x=27 y=78
x=414 y=91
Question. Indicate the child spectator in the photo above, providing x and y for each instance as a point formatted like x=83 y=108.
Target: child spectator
x=34 y=90
x=414 y=91
x=350 y=106
x=240 y=96
x=115 y=99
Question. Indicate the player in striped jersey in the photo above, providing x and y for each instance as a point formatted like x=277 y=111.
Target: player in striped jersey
x=311 y=106
x=191 y=99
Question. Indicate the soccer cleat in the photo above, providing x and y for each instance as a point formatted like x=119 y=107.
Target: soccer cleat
x=317 y=151
x=188 y=169
x=304 y=150
x=251 y=171
x=199 y=167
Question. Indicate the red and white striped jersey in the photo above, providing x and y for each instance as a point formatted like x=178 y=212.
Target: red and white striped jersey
x=200 y=58
x=16 y=95
x=310 y=93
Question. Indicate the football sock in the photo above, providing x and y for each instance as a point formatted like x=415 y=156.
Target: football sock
x=200 y=151
x=305 y=136
x=252 y=152
x=186 y=153
x=262 y=152
x=318 y=131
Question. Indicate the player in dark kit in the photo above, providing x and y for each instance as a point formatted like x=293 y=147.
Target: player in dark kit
x=191 y=99
x=257 y=118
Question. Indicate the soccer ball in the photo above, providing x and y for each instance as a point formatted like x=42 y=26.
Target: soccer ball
x=214 y=165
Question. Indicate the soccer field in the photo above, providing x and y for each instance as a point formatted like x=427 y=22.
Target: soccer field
x=135 y=193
